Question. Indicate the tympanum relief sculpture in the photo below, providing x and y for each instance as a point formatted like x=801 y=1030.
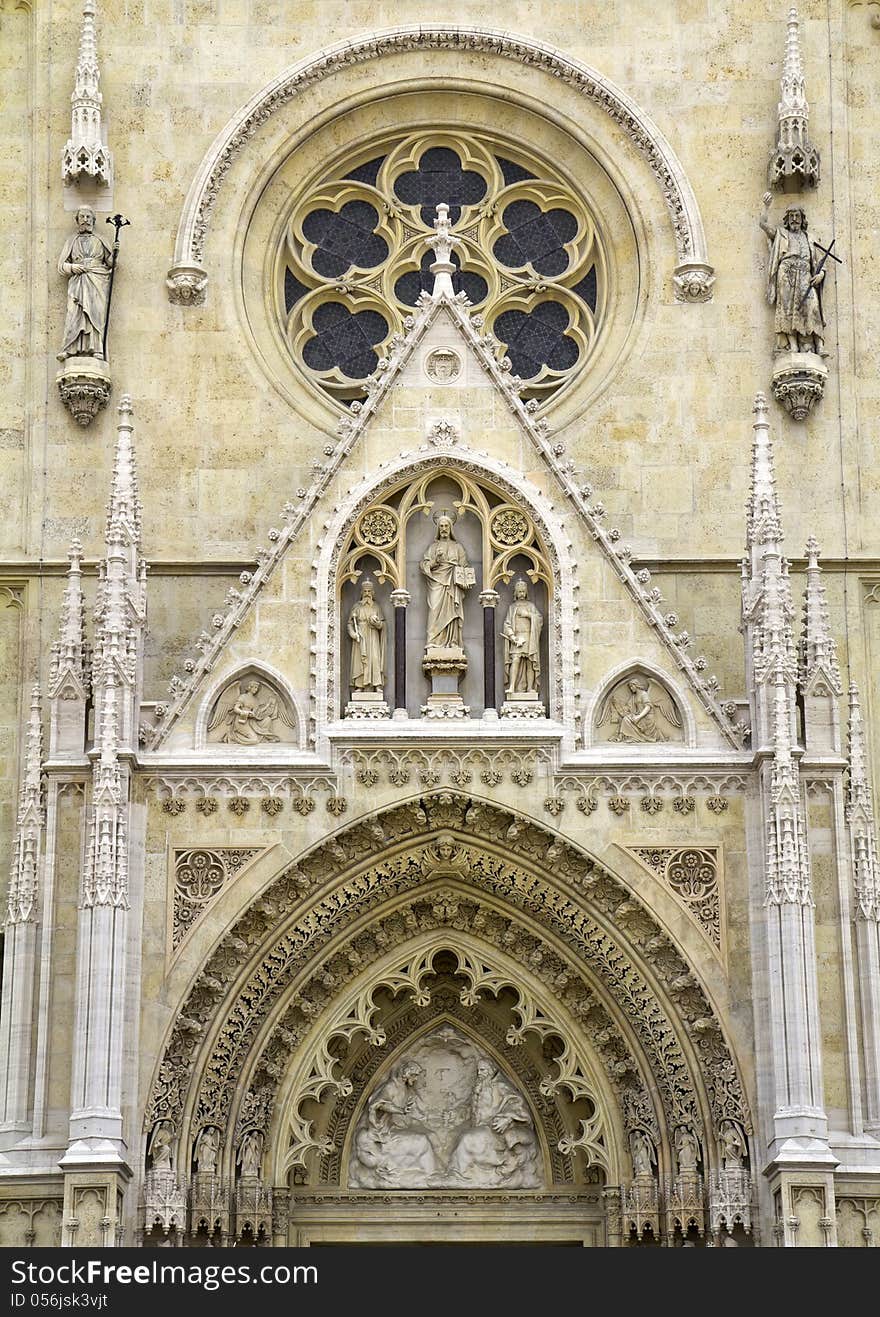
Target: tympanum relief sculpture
x=445 y=1118
x=638 y=710
x=250 y=712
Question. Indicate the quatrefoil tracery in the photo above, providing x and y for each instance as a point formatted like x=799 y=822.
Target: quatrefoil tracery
x=355 y=259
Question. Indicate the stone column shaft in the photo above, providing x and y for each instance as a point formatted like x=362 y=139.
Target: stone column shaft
x=96 y=1107
x=400 y=599
x=16 y=1029
x=489 y=601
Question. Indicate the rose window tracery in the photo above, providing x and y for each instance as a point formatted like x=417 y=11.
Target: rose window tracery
x=355 y=259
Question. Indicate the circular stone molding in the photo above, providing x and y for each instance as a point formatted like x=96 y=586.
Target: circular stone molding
x=443 y=366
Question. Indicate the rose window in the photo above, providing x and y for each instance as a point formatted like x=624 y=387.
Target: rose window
x=355 y=259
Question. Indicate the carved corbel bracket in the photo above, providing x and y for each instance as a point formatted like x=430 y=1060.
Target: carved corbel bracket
x=84 y=385
x=799 y=382
x=186 y=285
x=693 y=281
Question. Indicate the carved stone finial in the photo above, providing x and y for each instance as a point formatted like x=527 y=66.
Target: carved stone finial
x=23 y=883
x=124 y=507
x=794 y=162
x=442 y=245
x=763 y=520
x=818 y=648
x=85 y=155
x=67 y=673
x=860 y=817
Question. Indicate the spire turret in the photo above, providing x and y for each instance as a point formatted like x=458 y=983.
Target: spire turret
x=794 y=163
x=85 y=155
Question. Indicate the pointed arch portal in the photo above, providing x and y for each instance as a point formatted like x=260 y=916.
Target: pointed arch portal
x=447 y=913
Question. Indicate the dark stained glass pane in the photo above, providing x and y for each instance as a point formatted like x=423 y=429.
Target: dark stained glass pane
x=537 y=338
x=345 y=339
x=535 y=237
x=440 y=177
x=367 y=172
x=511 y=172
x=587 y=289
x=293 y=290
x=344 y=238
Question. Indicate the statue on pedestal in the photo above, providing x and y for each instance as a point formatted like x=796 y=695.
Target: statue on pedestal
x=366 y=628
x=449 y=575
x=522 y=638
x=250 y=1154
x=793 y=283
x=86 y=260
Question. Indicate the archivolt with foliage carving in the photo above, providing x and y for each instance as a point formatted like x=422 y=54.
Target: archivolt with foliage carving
x=637 y=975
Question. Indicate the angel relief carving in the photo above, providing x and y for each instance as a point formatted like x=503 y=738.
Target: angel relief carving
x=250 y=712
x=639 y=709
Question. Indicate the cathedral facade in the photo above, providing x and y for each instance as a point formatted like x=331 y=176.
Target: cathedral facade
x=440 y=616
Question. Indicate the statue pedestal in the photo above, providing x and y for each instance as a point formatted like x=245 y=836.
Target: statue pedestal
x=522 y=704
x=799 y=382
x=84 y=385
x=367 y=704
x=445 y=668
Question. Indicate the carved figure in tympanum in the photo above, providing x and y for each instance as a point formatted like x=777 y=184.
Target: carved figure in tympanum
x=639 y=710
x=249 y=713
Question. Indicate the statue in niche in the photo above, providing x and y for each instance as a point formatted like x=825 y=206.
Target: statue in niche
x=250 y=1154
x=207 y=1150
x=249 y=714
x=731 y=1147
x=86 y=260
x=643 y=1154
x=500 y=1146
x=393 y=1148
x=687 y=1150
x=446 y=1118
x=793 y=283
x=366 y=628
x=160 y=1147
x=449 y=575
x=634 y=709
x=522 y=637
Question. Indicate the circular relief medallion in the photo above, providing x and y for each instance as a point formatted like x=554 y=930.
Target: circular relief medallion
x=379 y=526
x=509 y=527
x=443 y=366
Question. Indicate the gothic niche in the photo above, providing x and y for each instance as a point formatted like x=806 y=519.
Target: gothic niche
x=445 y=1117
x=638 y=710
x=251 y=711
x=443 y=589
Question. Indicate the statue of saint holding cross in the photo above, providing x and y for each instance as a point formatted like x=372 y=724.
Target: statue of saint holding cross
x=794 y=280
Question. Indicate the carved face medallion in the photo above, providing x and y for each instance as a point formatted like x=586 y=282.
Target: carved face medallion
x=443 y=366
